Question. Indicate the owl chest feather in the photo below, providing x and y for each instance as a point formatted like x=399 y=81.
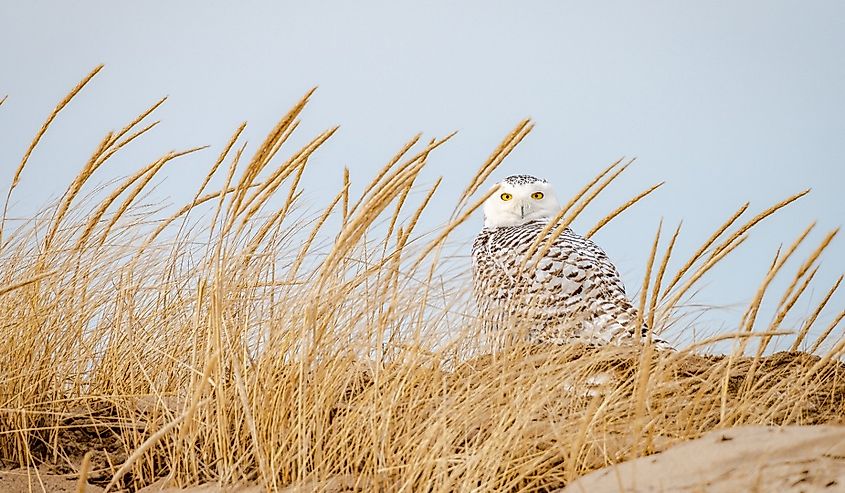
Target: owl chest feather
x=572 y=269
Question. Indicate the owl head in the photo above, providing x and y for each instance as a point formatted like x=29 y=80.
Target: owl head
x=518 y=200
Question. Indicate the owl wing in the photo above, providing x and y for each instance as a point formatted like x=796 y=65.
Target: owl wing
x=574 y=281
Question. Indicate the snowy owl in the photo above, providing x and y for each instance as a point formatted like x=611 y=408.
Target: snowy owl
x=572 y=294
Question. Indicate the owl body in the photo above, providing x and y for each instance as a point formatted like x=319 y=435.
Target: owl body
x=573 y=293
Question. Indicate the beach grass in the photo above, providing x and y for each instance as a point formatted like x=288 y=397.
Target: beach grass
x=237 y=340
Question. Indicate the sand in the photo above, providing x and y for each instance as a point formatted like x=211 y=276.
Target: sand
x=749 y=458
x=26 y=481
x=163 y=487
x=18 y=481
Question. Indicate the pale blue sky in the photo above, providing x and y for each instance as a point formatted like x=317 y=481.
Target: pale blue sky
x=727 y=101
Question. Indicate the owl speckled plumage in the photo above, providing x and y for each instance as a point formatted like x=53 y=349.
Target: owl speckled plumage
x=573 y=294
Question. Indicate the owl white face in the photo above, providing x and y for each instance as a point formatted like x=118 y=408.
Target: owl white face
x=520 y=200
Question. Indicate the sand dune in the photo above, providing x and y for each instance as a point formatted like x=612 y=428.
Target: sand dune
x=749 y=458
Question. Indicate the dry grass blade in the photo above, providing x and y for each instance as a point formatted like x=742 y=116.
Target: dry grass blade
x=59 y=107
x=26 y=282
x=139 y=187
x=644 y=290
x=303 y=251
x=721 y=337
x=661 y=271
x=703 y=248
x=505 y=148
x=405 y=235
x=644 y=374
x=108 y=201
x=591 y=193
x=670 y=304
x=295 y=165
x=346 y=185
x=117 y=136
x=374 y=184
x=220 y=158
x=826 y=333
x=589 y=186
x=114 y=147
x=622 y=208
x=74 y=189
x=400 y=202
x=750 y=315
x=272 y=142
x=825 y=361
x=756 y=219
x=449 y=228
x=791 y=295
x=787 y=303
x=84 y=469
x=230 y=174
x=808 y=323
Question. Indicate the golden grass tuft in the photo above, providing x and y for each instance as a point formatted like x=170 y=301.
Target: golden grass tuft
x=253 y=346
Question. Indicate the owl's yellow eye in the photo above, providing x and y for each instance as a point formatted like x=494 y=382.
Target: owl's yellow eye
x=506 y=196
x=537 y=195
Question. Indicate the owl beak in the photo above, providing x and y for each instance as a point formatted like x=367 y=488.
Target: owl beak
x=523 y=209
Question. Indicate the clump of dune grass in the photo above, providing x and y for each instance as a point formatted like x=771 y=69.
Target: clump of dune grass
x=235 y=340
